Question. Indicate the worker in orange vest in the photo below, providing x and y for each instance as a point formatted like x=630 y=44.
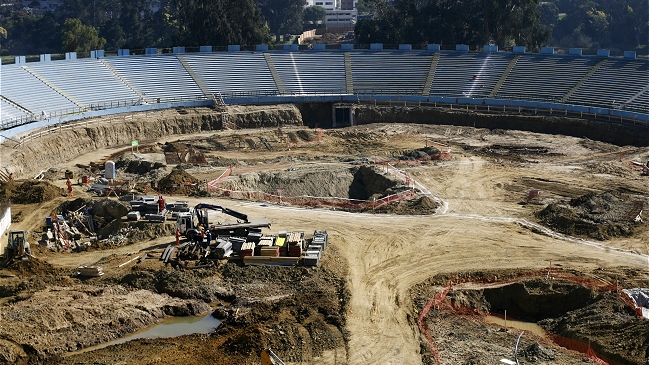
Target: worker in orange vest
x=69 y=184
x=177 y=237
x=11 y=176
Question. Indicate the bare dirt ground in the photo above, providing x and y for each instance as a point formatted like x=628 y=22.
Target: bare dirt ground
x=358 y=307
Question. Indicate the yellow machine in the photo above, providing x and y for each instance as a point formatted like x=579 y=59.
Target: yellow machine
x=17 y=247
x=268 y=357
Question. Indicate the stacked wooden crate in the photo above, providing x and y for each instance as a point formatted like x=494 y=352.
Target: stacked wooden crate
x=247 y=249
x=265 y=241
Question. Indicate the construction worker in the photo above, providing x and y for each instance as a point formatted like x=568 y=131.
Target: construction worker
x=202 y=235
x=161 y=203
x=11 y=176
x=209 y=237
x=69 y=184
x=177 y=237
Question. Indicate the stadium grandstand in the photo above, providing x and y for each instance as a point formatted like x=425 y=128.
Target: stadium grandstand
x=48 y=92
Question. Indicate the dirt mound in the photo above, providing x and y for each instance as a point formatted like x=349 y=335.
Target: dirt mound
x=29 y=192
x=535 y=352
x=31 y=267
x=421 y=205
x=419 y=153
x=141 y=163
x=611 y=328
x=109 y=208
x=599 y=216
x=175 y=179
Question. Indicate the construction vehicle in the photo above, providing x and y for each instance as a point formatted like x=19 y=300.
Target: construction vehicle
x=17 y=248
x=268 y=357
x=188 y=222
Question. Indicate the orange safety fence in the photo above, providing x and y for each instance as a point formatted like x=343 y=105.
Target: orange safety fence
x=315 y=201
x=434 y=302
x=570 y=344
x=214 y=183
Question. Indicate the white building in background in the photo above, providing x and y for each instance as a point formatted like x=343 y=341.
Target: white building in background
x=327 y=4
x=341 y=18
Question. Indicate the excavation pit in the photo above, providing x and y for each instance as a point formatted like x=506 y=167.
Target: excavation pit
x=577 y=317
x=352 y=188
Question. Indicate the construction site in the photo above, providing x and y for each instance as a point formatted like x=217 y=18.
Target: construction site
x=203 y=236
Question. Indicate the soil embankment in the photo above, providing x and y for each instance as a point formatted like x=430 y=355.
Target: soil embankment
x=59 y=147
x=610 y=132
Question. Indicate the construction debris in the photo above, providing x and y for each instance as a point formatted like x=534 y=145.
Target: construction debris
x=90 y=271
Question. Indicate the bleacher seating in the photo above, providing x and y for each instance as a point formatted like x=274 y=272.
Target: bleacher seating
x=233 y=72
x=455 y=70
x=311 y=72
x=10 y=112
x=158 y=77
x=390 y=73
x=546 y=78
x=66 y=87
x=99 y=84
x=613 y=84
x=26 y=90
x=640 y=103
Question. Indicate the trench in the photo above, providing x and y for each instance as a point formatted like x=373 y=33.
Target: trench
x=571 y=315
x=167 y=328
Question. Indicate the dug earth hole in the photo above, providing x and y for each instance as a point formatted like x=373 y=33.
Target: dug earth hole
x=573 y=316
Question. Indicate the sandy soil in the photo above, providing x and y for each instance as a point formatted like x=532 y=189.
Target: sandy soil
x=482 y=225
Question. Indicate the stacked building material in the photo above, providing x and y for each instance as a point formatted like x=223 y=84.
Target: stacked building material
x=295 y=251
x=312 y=258
x=295 y=239
x=254 y=236
x=269 y=251
x=320 y=238
x=223 y=249
x=265 y=241
x=237 y=243
x=247 y=249
x=315 y=249
x=91 y=271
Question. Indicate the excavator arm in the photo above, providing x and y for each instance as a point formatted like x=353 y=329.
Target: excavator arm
x=227 y=211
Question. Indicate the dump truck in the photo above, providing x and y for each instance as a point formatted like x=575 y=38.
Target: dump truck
x=188 y=222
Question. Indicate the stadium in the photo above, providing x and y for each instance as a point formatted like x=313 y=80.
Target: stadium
x=514 y=231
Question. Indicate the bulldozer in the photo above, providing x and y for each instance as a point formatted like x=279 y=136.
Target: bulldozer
x=268 y=357
x=17 y=248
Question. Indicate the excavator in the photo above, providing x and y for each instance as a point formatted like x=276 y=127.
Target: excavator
x=17 y=248
x=268 y=357
x=188 y=222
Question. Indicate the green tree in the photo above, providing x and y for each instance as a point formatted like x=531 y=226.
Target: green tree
x=80 y=38
x=283 y=16
x=549 y=14
x=216 y=22
x=472 y=22
x=313 y=15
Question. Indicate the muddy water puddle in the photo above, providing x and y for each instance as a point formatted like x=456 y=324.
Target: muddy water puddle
x=168 y=327
x=524 y=326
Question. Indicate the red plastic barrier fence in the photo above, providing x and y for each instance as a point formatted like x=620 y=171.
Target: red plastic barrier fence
x=434 y=302
x=211 y=185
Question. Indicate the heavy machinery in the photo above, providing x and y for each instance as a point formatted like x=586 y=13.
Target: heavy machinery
x=17 y=247
x=188 y=222
x=268 y=357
